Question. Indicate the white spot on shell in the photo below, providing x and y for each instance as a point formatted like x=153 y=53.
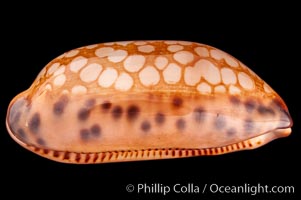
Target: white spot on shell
x=220 y=89
x=202 y=51
x=124 y=82
x=78 y=63
x=107 y=77
x=79 y=89
x=172 y=73
x=183 y=57
x=184 y=43
x=140 y=43
x=209 y=71
x=113 y=56
x=134 y=63
x=228 y=76
x=218 y=55
x=72 y=53
x=245 y=81
x=53 y=68
x=146 y=48
x=65 y=91
x=267 y=88
x=90 y=72
x=109 y=43
x=174 y=48
x=92 y=46
x=234 y=90
x=42 y=73
x=161 y=62
x=117 y=56
x=48 y=87
x=192 y=75
x=124 y=43
x=60 y=56
x=59 y=71
x=104 y=52
x=204 y=88
x=149 y=76
x=170 y=42
x=59 y=80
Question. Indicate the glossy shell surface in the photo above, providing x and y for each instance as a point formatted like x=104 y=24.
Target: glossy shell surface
x=141 y=100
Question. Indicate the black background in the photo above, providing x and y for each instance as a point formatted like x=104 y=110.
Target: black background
x=264 y=38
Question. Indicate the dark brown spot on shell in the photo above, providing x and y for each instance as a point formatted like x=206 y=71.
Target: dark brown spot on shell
x=34 y=123
x=95 y=130
x=83 y=114
x=173 y=152
x=250 y=105
x=36 y=149
x=21 y=134
x=66 y=155
x=59 y=106
x=231 y=132
x=15 y=112
x=95 y=157
x=177 y=102
x=106 y=105
x=248 y=125
x=90 y=103
x=219 y=122
x=145 y=126
x=117 y=112
x=77 y=157
x=265 y=110
x=41 y=142
x=133 y=112
x=84 y=134
x=234 y=100
x=88 y=134
x=199 y=115
x=45 y=151
x=160 y=118
x=56 y=154
x=181 y=124
x=87 y=157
